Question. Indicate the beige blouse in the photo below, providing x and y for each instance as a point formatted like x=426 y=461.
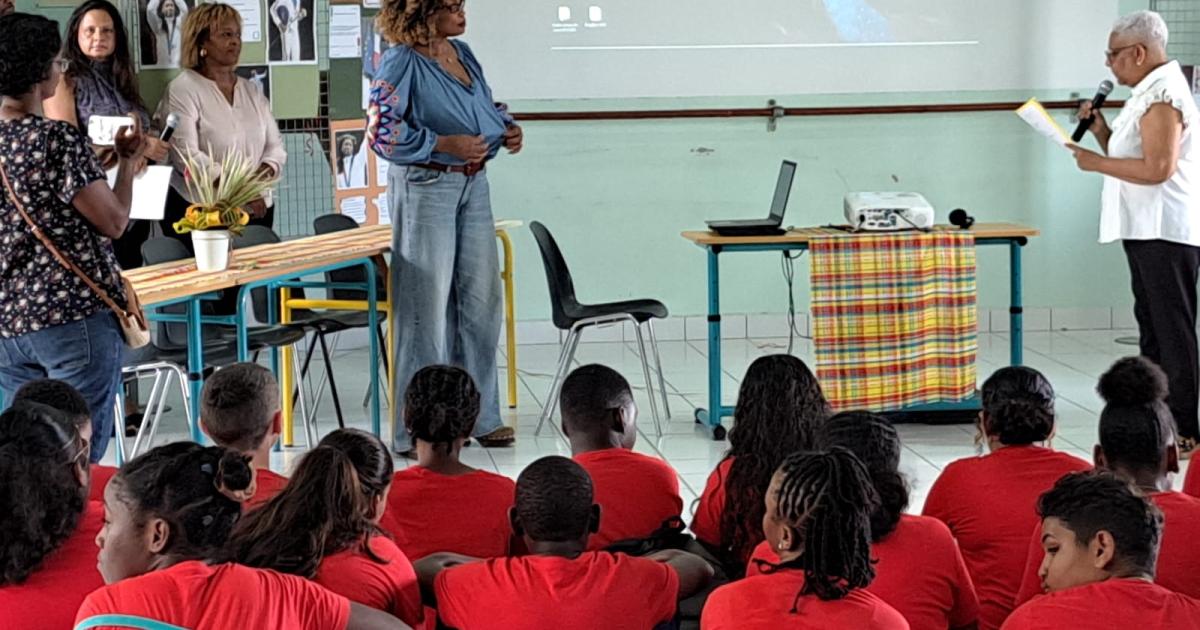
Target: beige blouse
x=209 y=127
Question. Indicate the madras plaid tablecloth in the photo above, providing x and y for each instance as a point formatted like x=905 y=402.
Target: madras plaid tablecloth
x=894 y=319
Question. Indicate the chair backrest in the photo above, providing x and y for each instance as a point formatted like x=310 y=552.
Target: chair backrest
x=327 y=224
x=164 y=249
x=558 y=276
x=259 y=235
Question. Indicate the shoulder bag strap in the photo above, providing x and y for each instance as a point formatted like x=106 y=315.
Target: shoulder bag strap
x=124 y=621
x=45 y=240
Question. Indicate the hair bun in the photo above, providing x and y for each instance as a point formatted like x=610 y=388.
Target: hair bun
x=1133 y=381
x=234 y=474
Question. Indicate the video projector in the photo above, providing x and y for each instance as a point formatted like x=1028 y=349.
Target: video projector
x=888 y=211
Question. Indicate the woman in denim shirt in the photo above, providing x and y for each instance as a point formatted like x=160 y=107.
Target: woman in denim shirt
x=433 y=117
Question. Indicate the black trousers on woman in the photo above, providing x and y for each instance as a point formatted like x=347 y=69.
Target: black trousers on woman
x=1164 y=276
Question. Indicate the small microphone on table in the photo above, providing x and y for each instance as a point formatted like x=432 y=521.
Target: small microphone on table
x=1102 y=92
x=960 y=218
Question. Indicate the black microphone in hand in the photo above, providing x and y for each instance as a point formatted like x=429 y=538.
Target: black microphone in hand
x=1102 y=92
x=169 y=127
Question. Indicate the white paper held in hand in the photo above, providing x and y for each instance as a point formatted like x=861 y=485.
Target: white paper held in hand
x=1037 y=117
x=149 y=192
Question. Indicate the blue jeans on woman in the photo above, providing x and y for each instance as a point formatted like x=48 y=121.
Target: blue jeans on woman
x=445 y=288
x=85 y=354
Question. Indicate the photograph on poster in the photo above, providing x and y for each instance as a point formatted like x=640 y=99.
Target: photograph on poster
x=351 y=159
x=291 y=32
x=373 y=47
x=162 y=31
x=259 y=78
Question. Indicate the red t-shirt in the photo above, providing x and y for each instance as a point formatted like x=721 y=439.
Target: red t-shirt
x=266 y=485
x=1178 y=556
x=706 y=524
x=764 y=602
x=636 y=493
x=1108 y=605
x=990 y=505
x=1191 y=481
x=50 y=597
x=391 y=586
x=429 y=512
x=101 y=475
x=595 y=590
x=919 y=572
x=202 y=597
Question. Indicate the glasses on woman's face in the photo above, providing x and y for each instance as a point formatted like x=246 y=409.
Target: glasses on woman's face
x=455 y=7
x=1110 y=55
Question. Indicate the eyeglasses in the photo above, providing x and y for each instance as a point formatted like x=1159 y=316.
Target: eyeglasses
x=1112 y=54
x=63 y=64
x=456 y=7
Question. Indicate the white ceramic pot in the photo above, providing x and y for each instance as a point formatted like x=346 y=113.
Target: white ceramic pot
x=212 y=249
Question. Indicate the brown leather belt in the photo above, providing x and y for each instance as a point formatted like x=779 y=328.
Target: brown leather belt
x=466 y=169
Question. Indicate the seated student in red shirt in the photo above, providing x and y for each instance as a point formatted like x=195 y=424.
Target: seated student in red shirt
x=780 y=408
x=165 y=515
x=325 y=526
x=636 y=493
x=239 y=410
x=1137 y=443
x=1101 y=540
x=68 y=400
x=560 y=584
x=919 y=570
x=988 y=502
x=818 y=521
x=47 y=525
x=441 y=504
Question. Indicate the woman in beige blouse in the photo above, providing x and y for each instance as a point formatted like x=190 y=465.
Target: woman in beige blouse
x=218 y=110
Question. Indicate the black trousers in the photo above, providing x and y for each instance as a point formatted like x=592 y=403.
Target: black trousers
x=1164 y=276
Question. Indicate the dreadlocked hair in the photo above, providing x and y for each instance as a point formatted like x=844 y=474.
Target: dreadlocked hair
x=828 y=498
x=327 y=507
x=197 y=490
x=780 y=410
x=875 y=442
x=407 y=22
x=1136 y=426
x=441 y=405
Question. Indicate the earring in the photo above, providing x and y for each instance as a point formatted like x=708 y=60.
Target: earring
x=203 y=52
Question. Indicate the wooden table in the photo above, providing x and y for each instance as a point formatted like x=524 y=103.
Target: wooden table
x=1013 y=235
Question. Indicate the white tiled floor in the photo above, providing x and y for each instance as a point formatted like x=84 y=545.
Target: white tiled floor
x=1071 y=360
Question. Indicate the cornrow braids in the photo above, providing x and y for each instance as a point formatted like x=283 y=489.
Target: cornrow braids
x=828 y=498
x=780 y=411
x=441 y=405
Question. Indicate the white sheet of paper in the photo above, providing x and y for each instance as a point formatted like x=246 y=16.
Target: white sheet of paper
x=1037 y=117
x=381 y=171
x=355 y=208
x=251 y=12
x=345 y=31
x=381 y=205
x=149 y=192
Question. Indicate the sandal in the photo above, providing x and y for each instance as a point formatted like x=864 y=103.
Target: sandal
x=503 y=436
x=1187 y=446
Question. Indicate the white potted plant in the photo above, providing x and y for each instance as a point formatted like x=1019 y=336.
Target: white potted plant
x=219 y=194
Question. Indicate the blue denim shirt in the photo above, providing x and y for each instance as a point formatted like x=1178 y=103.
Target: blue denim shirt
x=414 y=100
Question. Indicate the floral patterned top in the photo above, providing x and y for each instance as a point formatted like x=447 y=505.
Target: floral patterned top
x=48 y=163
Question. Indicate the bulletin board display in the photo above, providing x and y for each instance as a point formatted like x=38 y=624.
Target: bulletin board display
x=359 y=176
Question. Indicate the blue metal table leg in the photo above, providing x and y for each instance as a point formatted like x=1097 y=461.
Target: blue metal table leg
x=243 y=334
x=711 y=417
x=373 y=358
x=195 y=365
x=1015 y=309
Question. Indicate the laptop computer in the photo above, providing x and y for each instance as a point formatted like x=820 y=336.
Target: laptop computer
x=771 y=225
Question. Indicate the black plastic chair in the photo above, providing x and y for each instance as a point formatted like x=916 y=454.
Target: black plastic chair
x=571 y=315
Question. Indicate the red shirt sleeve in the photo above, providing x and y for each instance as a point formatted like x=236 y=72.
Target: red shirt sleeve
x=659 y=578
x=966 y=602
x=1031 y=583
x=1023 y=619
x=1191 y=483
x=717 y=613
x=706 y=524
x=455 y=588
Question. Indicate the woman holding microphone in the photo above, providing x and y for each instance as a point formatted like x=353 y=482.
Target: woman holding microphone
x=1151 y=202
x=432 y=116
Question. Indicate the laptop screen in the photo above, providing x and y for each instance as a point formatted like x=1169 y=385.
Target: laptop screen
x=783 y=189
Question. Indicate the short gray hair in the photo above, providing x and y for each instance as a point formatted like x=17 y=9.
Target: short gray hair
x=1147 y=26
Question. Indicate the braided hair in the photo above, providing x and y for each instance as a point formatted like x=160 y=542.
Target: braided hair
x=827 y=497
x=875 y=442
x=195 y=489
x=1018 y=403
x=441 y=405
x=779 y=412
x=1136 y=426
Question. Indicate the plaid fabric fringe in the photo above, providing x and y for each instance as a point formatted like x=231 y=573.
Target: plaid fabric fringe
x=894 y=319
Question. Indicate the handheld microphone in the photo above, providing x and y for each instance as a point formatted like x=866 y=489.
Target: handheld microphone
x=960 y=218
x=169 y=128
x=1102 y=92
